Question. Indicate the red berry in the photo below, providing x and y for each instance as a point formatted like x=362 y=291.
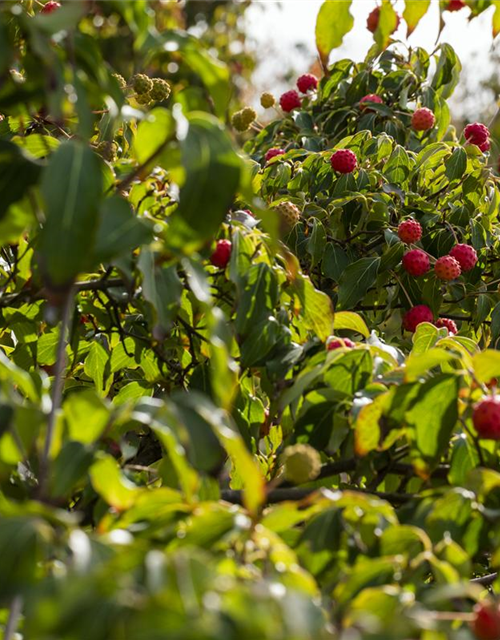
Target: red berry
x=371 y=97
x=416 y=315
x=290 y=100
x=476 y=133
x=307 y=82
x=220 y=257
x=416 y=262
x=409 y=231
x=485 y=146
x=373 y=18
x=455 y=5
x=447 y=324
x=486 y=418
x=447 y=268
x=422 y=119
x=465 y=255
x=272 y=153
x=336 y=343
x=344 y=161
x=50 y=7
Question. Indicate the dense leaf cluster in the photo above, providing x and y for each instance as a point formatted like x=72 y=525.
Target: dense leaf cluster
x=151 y=396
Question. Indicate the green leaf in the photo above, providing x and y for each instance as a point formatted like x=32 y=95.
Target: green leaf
x=213 y=172
x=131 y=392
x=486 y=365
x=447 y=72
x=414 y=12
x=69 y=467
x=110 y=483
x=152 y=134
x=434 y=415
x=421 y=363
x=6 y=45
x=456 y=164
x=187 y=477
x=14 y=375
x=424 y=337
x=495 y=24
x=23 y=547
x=387 y=23
x=86 y=415
x=334 y=21
x=316 y=242
x=18 y=173
x=335 y=260
x=223 y=368
x=352 y=321
x=258 y=299
x=368 y=431
x=162 y=288
x=244 y=466
x=316 y=308
x=71 y=210
x=213 y=73
x=96 y=366
x=397 y=168
x=37 y=145
x=355 y=281
x=119 y=231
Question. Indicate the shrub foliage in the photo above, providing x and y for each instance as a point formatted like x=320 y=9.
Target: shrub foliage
x=214 y=422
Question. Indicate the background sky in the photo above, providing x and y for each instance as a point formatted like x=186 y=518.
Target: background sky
x=284 y=34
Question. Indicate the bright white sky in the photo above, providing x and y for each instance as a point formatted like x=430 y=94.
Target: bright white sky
x=279 y=26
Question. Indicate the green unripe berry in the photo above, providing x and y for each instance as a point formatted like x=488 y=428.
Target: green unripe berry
x=120 y=79
x=248 y=115
x=238 y=122
x=160 y=91
x=141 y=83
x=143 y=98
x=267 y=100
x=108 y=150
x=302 y=463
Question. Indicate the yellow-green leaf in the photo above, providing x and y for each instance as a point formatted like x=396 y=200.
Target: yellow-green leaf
x=333 y=22
x=486 y=365
x=351 y=320
x=414 y=11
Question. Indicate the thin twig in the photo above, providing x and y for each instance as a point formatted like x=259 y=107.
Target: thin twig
x=58 y=385
x=13 y=619
x=127 y=181
x=87 y=285
x=296 y=494
x=487 y=580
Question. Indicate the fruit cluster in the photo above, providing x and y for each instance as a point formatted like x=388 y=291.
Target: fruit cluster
x=479 y=135
x=242 y=119
x=148 y=90
x=416 y=262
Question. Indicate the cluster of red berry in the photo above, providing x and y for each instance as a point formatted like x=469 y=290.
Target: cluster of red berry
x=291 y=100
x=478 y=134
x=417 y=263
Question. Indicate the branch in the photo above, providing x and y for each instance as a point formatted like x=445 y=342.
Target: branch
x=121 y=186
x=296 y=494
x=344 y=466
x=487 y=580
x=57 y=388
x=40 y=294
x=13 y=619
